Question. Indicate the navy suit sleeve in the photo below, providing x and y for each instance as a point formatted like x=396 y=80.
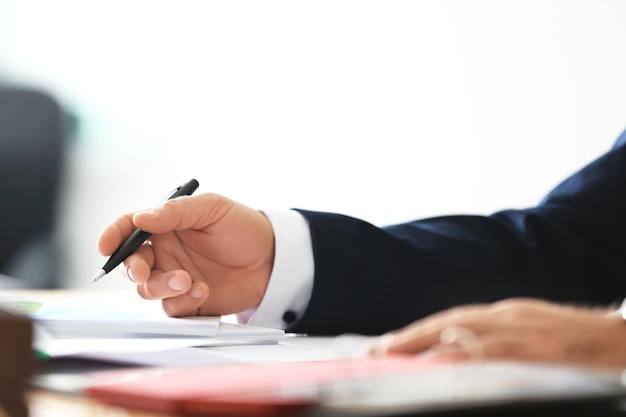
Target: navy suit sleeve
x=569 y=248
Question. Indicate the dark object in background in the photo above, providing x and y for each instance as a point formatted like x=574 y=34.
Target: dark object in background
x=16 y=363
x=32 y=147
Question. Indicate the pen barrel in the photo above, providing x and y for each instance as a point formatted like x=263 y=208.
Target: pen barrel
x=187 y=189
x=130 y=245
x=138 y=237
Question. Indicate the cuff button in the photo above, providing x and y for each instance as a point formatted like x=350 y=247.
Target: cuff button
x=289 y=317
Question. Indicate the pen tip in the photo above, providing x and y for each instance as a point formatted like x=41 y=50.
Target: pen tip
x=99 y=275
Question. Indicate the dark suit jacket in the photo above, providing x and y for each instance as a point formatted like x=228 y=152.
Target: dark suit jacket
x=569 y=248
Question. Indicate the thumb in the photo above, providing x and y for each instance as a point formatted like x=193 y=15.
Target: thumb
x=182 y=213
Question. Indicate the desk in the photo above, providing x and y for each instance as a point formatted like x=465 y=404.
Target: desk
x=459 y=378
x=49 y=404
x=46 y=403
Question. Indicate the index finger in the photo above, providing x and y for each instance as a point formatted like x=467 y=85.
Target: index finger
x=512 y=314
x=424 y=333
x=113 y=234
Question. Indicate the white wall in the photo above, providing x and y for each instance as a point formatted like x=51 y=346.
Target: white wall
x=384 y=110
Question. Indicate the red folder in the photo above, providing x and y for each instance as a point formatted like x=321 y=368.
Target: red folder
x=263 y=389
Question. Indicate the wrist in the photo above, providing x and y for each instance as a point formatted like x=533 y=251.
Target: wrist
x=268 y=259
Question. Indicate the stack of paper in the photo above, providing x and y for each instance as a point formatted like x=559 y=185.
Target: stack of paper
x=60 y=320
x=91 y=330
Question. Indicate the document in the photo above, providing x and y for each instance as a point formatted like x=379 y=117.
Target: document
x=154 y=350
x=62 y=320
x=389 y=385
x=137 y=333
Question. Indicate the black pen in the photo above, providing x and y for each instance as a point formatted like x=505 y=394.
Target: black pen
x=136 y=239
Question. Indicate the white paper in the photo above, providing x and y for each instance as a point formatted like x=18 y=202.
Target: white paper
x=63 y=319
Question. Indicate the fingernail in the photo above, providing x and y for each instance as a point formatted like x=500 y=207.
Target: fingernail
x=174 y=283
x=129 y=275
x=381 y=346
x=196 y=293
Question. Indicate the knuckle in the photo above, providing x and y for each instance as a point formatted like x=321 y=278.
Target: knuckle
x=516 y=304
x=517 y=308
x=462 y=311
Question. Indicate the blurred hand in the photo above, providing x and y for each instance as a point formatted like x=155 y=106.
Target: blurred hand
x=516 y=329
x=208 y=255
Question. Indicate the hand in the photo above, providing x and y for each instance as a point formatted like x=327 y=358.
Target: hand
x=208 y=255
x=516 y=329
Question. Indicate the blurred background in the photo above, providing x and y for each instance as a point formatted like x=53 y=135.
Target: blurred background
x=387 y=111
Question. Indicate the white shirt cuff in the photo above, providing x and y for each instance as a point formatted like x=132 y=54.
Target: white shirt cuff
x=291 y=282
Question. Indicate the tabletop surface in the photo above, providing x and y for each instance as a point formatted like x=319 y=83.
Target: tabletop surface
x=46 y=403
